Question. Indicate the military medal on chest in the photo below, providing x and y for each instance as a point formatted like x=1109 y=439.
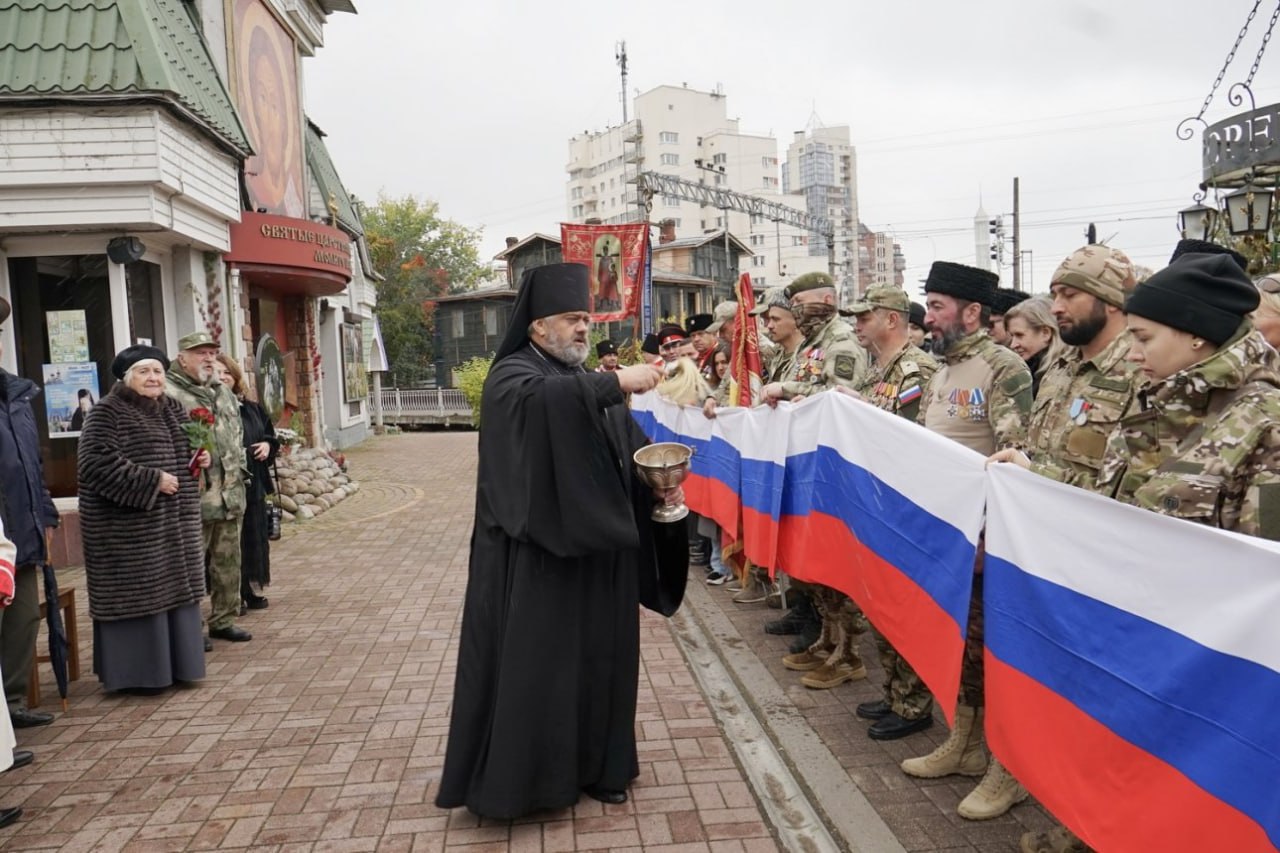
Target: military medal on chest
x=1079 y=412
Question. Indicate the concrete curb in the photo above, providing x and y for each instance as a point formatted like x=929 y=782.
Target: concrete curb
x=806 y=793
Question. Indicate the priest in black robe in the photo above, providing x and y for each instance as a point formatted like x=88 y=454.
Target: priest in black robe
x=562 y=555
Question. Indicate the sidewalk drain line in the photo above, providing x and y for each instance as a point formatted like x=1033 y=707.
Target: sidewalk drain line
x=770 y=737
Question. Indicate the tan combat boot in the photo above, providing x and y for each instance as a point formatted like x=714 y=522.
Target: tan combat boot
x=843 y=664
x=817 y=654
x=996 y=794
x=753 y=589
x=961 y=753
x=1056 y=840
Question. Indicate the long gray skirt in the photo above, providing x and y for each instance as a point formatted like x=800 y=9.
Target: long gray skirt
x=149 y=651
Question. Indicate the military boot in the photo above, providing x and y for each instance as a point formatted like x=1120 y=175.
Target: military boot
x=753 y=588
x=843 y=664
x=1056 y=840
x=996 y=794
x=818 y=652
x=961 y=753
x=797 y=619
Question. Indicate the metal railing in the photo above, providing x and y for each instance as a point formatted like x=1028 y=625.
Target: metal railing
x=442 y=402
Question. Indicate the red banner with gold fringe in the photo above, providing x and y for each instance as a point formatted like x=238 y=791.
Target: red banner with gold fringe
x=615 y=257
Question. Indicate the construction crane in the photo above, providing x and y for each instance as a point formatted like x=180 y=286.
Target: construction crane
x=650 y=184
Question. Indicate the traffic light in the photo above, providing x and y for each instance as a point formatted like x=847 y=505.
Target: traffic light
x=993 y=226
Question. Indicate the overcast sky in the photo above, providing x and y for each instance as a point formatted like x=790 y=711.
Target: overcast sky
x=472 y=104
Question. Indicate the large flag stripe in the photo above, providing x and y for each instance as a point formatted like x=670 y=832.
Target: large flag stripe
x=936 y=556
x=1089 y=536
x=1209 y=715
x=1117 y=796
x=822 y=549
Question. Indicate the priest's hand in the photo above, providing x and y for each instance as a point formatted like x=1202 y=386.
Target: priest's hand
x=1009 y=454
x=638 y=378
x=671 y=497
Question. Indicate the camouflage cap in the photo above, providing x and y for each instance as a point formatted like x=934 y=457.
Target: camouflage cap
x=1102 y=271
x=884 y=296
x=774 y=297
x=196 y=339
x=809 y=281
x=725 y=312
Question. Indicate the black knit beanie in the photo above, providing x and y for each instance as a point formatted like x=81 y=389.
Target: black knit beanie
x=1204 y=247
x=917 y=314
x=1205 y=295
x=962 y=282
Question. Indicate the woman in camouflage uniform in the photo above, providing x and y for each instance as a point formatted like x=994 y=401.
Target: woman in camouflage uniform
x=1204 y=444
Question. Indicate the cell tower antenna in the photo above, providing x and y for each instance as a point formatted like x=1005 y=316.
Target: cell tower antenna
x=620 y=55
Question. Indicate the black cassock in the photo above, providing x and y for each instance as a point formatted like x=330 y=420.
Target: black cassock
x=562 y=554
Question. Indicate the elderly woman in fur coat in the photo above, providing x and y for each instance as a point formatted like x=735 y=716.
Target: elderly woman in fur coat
x=140 y=518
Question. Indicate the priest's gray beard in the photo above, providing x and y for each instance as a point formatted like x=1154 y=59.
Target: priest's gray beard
x=569 y=348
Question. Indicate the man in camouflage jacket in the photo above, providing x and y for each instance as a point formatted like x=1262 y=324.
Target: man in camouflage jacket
x=191 y=382
x=1092 y=384
x=828 y=357
x=981 y=398
x=895 y=383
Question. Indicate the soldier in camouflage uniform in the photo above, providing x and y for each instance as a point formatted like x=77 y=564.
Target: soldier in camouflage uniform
x=780 y=326
x=896 y=384
x=1205 y=443
x=1092 y=384
x=774 y=311
x=191 y=382
x=981 y=398
x=1082 y=398
x=828 y=357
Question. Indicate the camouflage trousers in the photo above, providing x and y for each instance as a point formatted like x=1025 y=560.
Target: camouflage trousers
x=903 y=689
x=971 y=680
x=838 y=611
x=222 y=553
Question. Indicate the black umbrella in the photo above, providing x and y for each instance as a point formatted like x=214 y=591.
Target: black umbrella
x=58 y=645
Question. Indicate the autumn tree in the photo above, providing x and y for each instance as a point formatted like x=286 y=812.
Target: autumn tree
x=421 y=256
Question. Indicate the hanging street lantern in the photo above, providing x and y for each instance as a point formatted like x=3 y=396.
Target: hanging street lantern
x=1248 y=210
x=1197 y=221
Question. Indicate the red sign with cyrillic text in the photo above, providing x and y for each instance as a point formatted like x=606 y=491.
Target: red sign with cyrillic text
x=263 y=238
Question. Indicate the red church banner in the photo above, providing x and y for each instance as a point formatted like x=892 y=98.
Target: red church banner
x=615 y=256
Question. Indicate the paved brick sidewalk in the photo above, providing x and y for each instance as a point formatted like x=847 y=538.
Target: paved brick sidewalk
x=327 y=731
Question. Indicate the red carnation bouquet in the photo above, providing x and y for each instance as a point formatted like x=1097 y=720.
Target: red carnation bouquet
x=200 y=436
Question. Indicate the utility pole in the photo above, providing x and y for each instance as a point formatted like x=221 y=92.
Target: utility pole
x=1017 y=240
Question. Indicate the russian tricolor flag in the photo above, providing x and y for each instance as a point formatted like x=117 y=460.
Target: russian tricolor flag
x=1133 y=668
x=888 y=513
x=843 y=494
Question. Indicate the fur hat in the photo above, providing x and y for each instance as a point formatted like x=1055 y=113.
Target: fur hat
x=962 y=282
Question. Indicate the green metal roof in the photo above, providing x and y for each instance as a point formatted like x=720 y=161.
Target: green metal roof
x=89 y=49
x=326 y=177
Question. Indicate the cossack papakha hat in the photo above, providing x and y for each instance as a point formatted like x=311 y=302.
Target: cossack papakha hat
x=962 y=282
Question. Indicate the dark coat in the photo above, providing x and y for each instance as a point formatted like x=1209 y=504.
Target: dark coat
x=255 y=547
x=27 y=505
x=143 y=549
x=562 y=555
